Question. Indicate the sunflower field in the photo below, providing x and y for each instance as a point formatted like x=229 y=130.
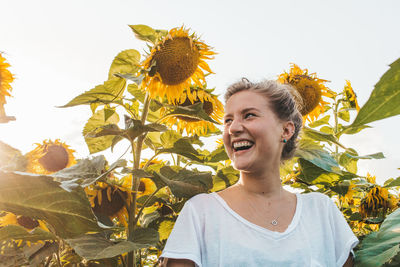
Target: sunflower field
x=56 y=210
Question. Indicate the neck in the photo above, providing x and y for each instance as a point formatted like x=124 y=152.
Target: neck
x=266 y=184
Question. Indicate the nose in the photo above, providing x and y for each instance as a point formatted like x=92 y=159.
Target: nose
x=235 y=127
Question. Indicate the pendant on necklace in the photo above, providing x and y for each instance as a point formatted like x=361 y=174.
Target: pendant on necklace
x=274 y=222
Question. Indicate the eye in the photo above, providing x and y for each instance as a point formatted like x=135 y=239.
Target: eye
x=249 y=115
x=227 y=121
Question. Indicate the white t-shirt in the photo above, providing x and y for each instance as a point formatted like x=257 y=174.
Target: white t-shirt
x=210 y=233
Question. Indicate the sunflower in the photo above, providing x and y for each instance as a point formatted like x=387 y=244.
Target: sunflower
x=348 y=197
x=5 y=79
x=378 y=201
x=211 y=106
x=112 y=199
x=351 y=96
x=50 y=157
x=174 y=63
x=109 y=200
x=310 y=88
x=28 y=223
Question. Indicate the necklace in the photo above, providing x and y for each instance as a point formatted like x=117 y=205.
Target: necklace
x=274 y=222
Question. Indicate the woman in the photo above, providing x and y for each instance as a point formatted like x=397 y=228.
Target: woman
x=256 y=222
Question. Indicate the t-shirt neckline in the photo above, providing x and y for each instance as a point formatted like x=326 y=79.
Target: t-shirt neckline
x=272 y=234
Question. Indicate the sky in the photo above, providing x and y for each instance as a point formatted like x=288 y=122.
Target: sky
x=59 y=49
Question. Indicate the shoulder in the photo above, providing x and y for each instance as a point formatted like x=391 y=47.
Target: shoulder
x=203 y=200
x=315 y=197
x=317 y=200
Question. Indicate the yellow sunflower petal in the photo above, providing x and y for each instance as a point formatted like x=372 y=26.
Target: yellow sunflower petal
x=175 y=63
x=211 y=106
x=351 y=96
x=311 y=89
x=50 y=157
x=6 y=78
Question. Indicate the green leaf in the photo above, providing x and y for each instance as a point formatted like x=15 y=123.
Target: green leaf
x=370 y=156
x=219 y=154
x=384 y=99
x=146 y=33
x=326 y=129
x=322 y=121
x=309 y=171
x=313 y=153
x=224 y=178
x=381 y=247
x=393 y=182
x=138 y=128
x=134 y=90
x=95 y=246
x=16 y=232
x=194 y=111
x=353 y=129
x=348 y=162
x=185 y=183
x=125 y=62
x=97 y=121
x=320 y=136
x=108 y=112
x=84 y=173
x=106 y=93
x=131 y=77
x=344 y=114
x=184 y=148
x=40 y=197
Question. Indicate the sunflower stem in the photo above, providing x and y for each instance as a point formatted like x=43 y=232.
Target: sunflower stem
x=335 y=129
x=137 y=149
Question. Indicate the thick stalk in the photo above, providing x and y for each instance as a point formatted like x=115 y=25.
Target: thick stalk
x=136 y=181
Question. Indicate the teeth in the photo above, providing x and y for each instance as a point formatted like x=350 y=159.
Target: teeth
x=241 y=144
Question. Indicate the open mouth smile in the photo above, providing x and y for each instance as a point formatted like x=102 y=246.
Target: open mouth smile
x=242 y=145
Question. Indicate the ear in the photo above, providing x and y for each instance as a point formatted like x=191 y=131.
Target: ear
x=288 y=130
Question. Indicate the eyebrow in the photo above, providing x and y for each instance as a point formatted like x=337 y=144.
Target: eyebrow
x=244 y=111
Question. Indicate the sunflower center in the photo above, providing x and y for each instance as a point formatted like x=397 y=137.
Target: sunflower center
x=55 y=159
x=177 y=60
x=109 y=208
x=27 y=222
x=310 y=91
x=207 y=107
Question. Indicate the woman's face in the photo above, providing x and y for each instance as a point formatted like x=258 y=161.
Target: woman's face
x=253 y=134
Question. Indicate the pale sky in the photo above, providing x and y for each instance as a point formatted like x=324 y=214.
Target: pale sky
x=59 y=49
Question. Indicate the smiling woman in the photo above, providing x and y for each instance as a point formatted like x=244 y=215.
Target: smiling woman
x=256 y=216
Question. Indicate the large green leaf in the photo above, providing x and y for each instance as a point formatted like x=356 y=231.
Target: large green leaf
x=106 y=93
x=224 y=178
x=381 y=247
x=384 y=99
x=16 y=232
x=95 y=122
x=184 y=148
x=40 y=197
x=96 y=246
x=320 y=136
x=84 y=173
x=314 y=154
x=185 y=183
x=126 y=61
